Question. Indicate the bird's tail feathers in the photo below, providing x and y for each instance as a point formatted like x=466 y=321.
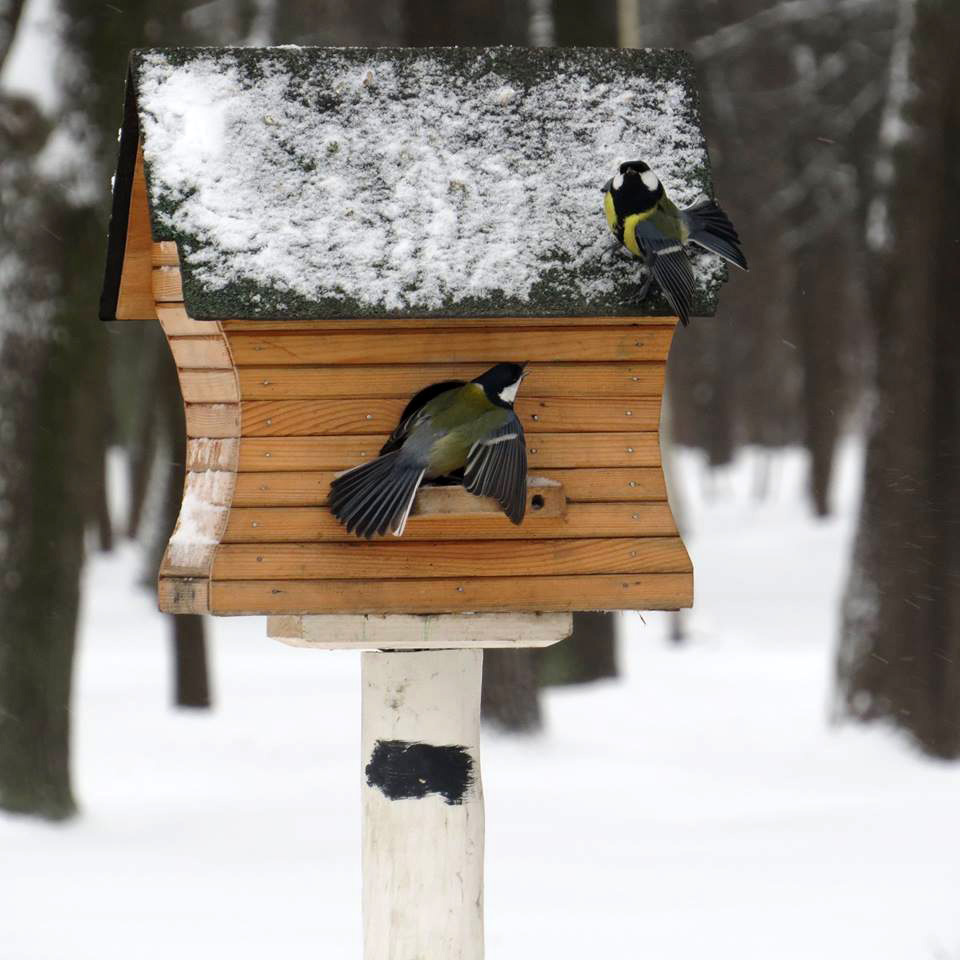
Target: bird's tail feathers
x=675 y=276
x=711 y=229
x=376 y=496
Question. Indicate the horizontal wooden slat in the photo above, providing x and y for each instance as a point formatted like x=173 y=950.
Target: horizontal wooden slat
x=374 y=415
x=213 y=419
x=610 y=484
x=195 y=563
x=343 y=324
x=288 y=489
x=176 y=322
x=406 y=632
x=212 y=454
x=167 y=285
x=453 y=346
x=311 y=488
x=165 y=254
x=542 y=501
x=214 y=487
x=209 y=386
x=205 y=353
x=653 y=591
x=543 y=450
x=183 y=595
x=582 y=520
x=404 y=380
x=384 y=560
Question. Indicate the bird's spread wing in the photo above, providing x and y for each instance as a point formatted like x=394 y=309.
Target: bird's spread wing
x=671 y=269
x=497 y=467
x=668 y=264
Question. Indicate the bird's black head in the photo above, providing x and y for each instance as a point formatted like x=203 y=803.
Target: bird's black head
x=502 y=382
x=634 y=189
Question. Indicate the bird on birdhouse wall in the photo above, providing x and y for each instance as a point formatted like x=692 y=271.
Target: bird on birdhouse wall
x=651 y=226
x=446 y=428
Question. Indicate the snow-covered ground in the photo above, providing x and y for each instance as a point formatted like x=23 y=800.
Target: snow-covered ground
x=702 y=807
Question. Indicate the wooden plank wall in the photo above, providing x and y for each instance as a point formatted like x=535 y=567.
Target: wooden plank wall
x=275 y=410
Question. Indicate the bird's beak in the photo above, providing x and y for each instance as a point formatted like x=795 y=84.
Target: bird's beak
x=606 y=187
x=525 y=371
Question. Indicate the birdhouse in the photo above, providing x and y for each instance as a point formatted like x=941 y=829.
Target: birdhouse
x=324 y=233
x=321 y=233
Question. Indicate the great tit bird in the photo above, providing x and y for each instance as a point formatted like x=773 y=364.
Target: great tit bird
x=447 y=427
x=651 y=226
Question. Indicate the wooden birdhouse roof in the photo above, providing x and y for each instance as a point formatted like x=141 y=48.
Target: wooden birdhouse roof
x=316 y=183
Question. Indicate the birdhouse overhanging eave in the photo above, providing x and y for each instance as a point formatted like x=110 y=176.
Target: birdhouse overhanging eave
x=316 y=183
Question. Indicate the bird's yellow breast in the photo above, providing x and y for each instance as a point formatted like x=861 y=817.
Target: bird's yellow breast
x=630 y=231
x=610 y=210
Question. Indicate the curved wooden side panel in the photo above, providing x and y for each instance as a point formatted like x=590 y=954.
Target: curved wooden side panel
x=211 y=465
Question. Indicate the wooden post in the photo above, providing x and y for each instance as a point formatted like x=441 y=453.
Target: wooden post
x=422 y=805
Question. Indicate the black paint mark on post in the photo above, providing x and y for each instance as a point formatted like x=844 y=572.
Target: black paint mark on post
x=402 y=770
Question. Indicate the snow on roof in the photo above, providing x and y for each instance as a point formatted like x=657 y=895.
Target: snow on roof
x=321 y=182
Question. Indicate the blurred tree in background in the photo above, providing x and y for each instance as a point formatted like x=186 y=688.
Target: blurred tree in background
x=812 y=152
x=900 y=656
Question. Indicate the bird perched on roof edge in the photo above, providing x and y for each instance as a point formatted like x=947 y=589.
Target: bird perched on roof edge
x=651 y=226
x=445 y=428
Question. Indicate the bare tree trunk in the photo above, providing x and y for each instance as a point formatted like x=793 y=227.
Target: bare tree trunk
x=588 y=654
x=53 y=360
x=191 y=680
x=899 y=656
x=510 y=699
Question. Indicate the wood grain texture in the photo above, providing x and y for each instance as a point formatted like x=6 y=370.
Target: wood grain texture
x=213 y=419
x=374 y=415
x=165 y=254
x=209 y=454
x=653 y=591
x=581 y=520
x=410 y=632
x=311 y=488
x=196 y=564
x=209 y=386
x=344 y=325
x=176 y=322
x=135 y=298
x=205 y=353
x=388 y=561
x=542 y=501
x=183 y=595
x=167 y=284
x=544 y=450
x=200 y=524
x=403 y=380
x=551 y=345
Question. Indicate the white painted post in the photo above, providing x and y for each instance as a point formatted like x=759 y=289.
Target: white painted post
x=422 y=805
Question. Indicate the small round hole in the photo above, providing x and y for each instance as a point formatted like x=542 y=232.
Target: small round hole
x=537 y=502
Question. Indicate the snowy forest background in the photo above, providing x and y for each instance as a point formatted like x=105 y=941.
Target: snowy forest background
x=834 y=129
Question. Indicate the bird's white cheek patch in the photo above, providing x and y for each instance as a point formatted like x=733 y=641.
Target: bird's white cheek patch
x=650 y=180
x=508 y=394
x=618 y=181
